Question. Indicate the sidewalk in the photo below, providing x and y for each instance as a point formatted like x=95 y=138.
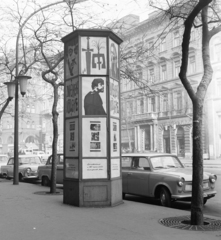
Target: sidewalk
x=27 y=215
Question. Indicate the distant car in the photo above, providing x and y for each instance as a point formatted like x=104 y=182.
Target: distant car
x=3 y=161
x=27 y=169
x=44 y=172
x=161 y=176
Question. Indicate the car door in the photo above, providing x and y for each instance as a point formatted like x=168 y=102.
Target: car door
x=126 y=166
x=60 y=169
x=138 y=176
x=10 y=167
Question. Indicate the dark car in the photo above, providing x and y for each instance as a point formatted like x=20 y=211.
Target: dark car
x=161 y=176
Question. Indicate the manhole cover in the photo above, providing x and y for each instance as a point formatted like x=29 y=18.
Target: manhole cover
x=48 y=193
x=183 y=222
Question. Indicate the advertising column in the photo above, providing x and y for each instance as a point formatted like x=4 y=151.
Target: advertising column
x=92 y=169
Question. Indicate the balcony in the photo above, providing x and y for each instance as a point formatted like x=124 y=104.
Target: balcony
x=145 y=116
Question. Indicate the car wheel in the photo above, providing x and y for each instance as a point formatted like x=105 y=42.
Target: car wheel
x=204 y=201
x=21 y=179
x=165 y=198
x=45 y=181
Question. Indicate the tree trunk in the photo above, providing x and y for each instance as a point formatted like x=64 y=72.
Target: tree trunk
x=4 y=107
x=197 y=184
x=55 y=141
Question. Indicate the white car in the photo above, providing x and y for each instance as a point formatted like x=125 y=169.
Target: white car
x=3 y=161
x=28 y=166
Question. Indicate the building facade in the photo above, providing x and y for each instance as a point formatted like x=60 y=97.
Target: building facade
x=158 y=115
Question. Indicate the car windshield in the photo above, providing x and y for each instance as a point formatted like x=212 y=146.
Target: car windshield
x=29 y=160
x=165 y=162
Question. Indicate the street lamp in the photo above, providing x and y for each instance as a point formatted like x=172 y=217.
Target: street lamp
x=13 y=92
x=17 y=78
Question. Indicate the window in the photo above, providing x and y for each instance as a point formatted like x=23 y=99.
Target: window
x=179 y=100
x=152 y=104
x=176 y=68
x=28 y=108
x=151 y=75
x=165 y=102
x=218 y=87
x=176 y=39
x=163 y=44
x=28 y=124
x=33 y=125
x=33 y=108
x=140 y=106
x=129 y=108
x=217 y=49
x=163 y=72
x=192 y=65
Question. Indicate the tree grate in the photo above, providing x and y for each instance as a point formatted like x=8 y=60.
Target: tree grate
x=183 y=223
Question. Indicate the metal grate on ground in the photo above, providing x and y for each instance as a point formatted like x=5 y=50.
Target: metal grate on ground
x=183 y=223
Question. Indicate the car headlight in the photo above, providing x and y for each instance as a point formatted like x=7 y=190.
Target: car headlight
x=180 y=182
x=212 y=178
x=27 y=171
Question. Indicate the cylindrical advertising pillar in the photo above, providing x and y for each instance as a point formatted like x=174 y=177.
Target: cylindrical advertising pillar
x=92 y=166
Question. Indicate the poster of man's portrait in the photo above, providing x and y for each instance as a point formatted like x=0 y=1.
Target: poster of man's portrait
x=94 y=96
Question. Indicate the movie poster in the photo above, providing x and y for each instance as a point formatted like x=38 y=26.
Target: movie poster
x=94 y=168
x=94 y=96
x=71 y=100
x=93 y=55
x=94 y=137
x=114 y=98
x=71 y=168
x=71 y=53
x=71 y=144
x=115 y=168
x=115 y=138
x=114 y=68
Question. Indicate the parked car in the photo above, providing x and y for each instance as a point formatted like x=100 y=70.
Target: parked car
x=161 y=176
x=3 y=161
x=27 y=169
x=44 y=172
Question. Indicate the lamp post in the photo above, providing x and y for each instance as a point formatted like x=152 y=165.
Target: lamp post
x=23 y=81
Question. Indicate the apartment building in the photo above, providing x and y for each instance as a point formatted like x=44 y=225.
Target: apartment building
x=157 y=115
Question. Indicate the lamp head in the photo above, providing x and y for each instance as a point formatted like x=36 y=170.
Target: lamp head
x=11 y=89
x=22 y=79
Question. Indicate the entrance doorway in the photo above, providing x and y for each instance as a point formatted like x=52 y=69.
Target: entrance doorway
x=166 y=141
x=180 y=142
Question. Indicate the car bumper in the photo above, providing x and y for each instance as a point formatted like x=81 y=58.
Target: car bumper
x=208 y=194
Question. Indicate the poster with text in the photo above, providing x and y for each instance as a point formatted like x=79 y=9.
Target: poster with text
x=113 y=61
x=71 y=55
x=94 y=96
x=71 y=98
x=115 y=138
x=114 y=98
x=115 y=168
x=71 y=134
x=94 y=142
x=71 y=168
x=93 y=55
x=94 y=168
